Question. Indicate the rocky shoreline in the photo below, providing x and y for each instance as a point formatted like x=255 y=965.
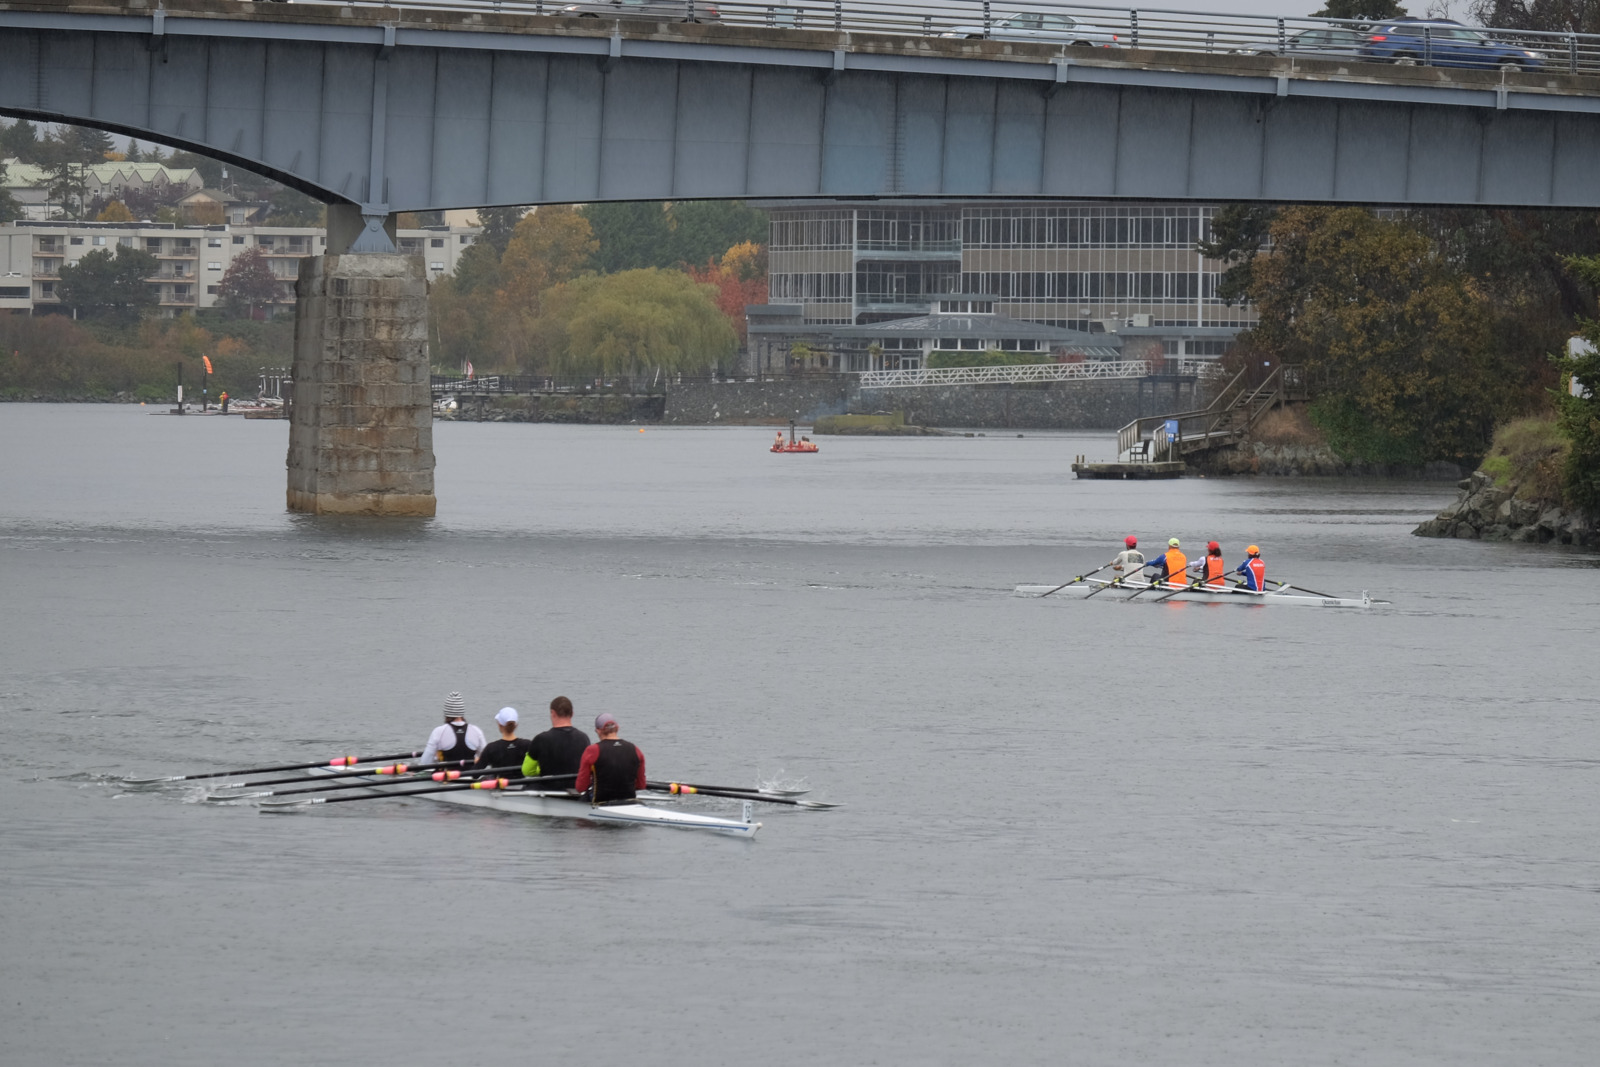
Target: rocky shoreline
x=1302 y=460
x=1488 y=512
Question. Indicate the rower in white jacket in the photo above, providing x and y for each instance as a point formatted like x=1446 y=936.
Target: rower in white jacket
x=455 y=740
x=1129 y=563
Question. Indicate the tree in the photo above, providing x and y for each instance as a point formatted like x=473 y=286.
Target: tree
x=102 y=285
x=1398 y=345
x=1579 y=416
x=1557 y=16
x=497 y=223
x=632 y=236
x=248 y=284
x=634 y=322
x=1237 y=233
x=291 y=207
x=9 y=208
x=20 y=141
x=740 y=279
x=1360 y=10
x=702 y=229
x=115 y=211
x=549 y=246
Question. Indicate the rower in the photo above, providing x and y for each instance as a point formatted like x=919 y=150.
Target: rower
x=1130 y=561
x=559 y=749
x=509 y=751
x=1254 y=570
x=1213 y=569
x=615 y=767
x=455 y=740
x=1172 y=564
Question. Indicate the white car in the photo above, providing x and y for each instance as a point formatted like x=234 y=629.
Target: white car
x=1035 y=26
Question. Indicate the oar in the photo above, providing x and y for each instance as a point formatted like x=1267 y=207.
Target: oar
x=742 y=789
x=1154 y=583
x=1115 y=581
x=342 y=761
x=679 y=788
x=1196 y=584
x=437 y=776
x=487 y=783
x=1079 y=578
x=1303 y=589
x=393 y=768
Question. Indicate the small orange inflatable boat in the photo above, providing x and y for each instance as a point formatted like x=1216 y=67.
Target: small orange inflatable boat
x=804 y=444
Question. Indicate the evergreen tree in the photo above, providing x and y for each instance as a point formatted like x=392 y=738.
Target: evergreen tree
x=102 y=285
x=497 y=223
x=632 y=236
x=9 y=208
x=1360 y=10
x=20 y=141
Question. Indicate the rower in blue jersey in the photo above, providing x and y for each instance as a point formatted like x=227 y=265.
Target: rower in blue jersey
x=1254 y=570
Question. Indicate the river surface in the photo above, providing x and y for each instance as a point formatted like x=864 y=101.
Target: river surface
x=1073 y=832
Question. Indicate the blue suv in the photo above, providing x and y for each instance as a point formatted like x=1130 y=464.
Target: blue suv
x=1444 y=43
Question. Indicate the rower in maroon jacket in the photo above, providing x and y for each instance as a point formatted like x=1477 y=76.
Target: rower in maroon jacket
x=615 y=767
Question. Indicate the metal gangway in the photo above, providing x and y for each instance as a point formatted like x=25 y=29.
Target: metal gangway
x=1224 y=422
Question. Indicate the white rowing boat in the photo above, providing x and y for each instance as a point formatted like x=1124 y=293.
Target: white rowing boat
x=1230 y=595
x=561 y=806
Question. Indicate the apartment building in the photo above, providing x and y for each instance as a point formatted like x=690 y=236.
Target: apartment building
x=1080 y=268
x=29 y=184
x=191 y=260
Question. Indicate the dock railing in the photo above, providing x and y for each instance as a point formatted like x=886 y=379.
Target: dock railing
x=1225 y=421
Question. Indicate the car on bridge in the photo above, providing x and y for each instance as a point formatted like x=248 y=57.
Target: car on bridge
x=1035 y=26
x=1445 y=43
x=680 y=10
x=1332 y=42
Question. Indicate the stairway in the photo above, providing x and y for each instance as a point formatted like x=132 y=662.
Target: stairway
x=1223 y=423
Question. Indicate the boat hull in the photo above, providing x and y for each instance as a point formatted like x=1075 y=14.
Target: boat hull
x=1081 y=590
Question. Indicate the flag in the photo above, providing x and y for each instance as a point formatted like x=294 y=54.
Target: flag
x=469 y=368
x=207 y=361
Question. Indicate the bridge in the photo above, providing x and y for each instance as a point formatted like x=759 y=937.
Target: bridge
x=424 y=105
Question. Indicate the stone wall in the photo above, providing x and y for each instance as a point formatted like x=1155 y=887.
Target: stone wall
x=1080 y=405
x=1489 y=512
x=361 y=434
x=771 y=400
x=585 y=410
x=1255 y=457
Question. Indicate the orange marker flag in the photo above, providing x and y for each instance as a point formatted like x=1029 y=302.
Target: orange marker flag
x=207 y=361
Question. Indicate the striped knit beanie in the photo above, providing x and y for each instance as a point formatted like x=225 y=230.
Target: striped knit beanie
x=455 y=707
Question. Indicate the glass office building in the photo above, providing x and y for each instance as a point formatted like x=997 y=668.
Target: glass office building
x=1125 y=268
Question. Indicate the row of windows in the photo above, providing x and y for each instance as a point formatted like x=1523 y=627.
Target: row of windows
x=817 y=286
x=908 y=230
x=896 y=283
x=812 y=229
x=1090 y=285
x=1083 y=227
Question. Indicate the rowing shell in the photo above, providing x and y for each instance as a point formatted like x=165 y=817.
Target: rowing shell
x=1231 y=595
x=566 y=806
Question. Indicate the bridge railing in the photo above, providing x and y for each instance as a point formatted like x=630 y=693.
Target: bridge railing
x=1043 y=22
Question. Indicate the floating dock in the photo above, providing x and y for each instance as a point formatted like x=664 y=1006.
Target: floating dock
x=1173 y=469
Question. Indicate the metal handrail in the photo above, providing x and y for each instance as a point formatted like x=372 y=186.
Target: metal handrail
x=1112 y=28
x=1005 y=375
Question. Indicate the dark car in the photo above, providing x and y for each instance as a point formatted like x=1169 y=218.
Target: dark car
x=1445 y=43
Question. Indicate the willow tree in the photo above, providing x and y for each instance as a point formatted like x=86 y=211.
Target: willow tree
x=635 y=322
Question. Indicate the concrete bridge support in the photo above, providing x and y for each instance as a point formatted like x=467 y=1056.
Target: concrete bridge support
x=361 y=435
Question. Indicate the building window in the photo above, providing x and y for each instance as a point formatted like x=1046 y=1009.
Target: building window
x=100 y=239
x=76 y=240
x=213 y=266
x=213 y=242
x=466 y=239
x=152 y=244
x=211 y=290
x=436 y=242
x=238 y=240
x=124 y=242
x=47 y=288
x=436 y=266
x=13 y=292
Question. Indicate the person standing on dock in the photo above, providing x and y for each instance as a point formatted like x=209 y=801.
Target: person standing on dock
x=1129 y=562
x=455 y=740
x=1254 y=570
x=559 y=749
x=509 y=751
x=613 y=766
x=1171 y=565
x=1213 y=569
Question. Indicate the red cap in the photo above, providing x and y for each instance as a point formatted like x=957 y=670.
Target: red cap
x=1130 y=541
x=1214 y=547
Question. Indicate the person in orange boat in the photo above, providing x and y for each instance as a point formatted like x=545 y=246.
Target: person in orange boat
x=1170 y=566
x=777 y=442
x=1254 y=570
x=1212 y=569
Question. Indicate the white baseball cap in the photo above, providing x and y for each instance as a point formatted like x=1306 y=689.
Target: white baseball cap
x=505 y=716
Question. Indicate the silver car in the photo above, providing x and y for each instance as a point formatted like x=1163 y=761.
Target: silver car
x=1333 y=42
x=1035 y=26
x=681 y=10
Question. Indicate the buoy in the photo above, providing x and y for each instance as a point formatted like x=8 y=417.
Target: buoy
x=641 y=429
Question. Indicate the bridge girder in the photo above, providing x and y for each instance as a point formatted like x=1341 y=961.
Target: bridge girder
x=406 y=114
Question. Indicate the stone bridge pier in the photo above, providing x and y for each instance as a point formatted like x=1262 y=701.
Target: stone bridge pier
x=361 y=430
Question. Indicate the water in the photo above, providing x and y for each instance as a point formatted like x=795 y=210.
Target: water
x=1072 y=832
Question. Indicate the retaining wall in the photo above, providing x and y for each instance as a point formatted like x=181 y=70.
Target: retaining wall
x=771 y=400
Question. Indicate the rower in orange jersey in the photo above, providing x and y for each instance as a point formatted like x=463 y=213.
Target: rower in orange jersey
x=1211 y=570
x=1171 y=565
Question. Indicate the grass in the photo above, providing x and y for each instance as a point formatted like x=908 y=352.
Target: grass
x=1289 y=425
